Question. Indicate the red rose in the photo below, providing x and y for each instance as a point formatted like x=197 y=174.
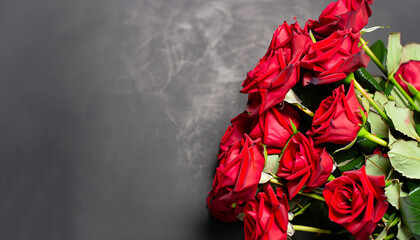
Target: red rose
x=270 y=81
x=331 y=59
x=274 y=126
x=277 y=72
x=267 y=217
x=409 y=72
x=341 y=15
x=302 y=164
x=291 y=37
x=236 y=179
x=356 y=201
x=234 y=133
x=337 y=119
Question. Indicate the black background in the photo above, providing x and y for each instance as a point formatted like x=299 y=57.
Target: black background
x=112 y=111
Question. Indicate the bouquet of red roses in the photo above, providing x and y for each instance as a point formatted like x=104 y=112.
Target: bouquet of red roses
x=324 y=146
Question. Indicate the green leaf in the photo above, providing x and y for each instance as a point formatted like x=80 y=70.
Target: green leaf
x=345 y=155
x=400 y=100
x=348 y=159
x=403 y=232
x=410 y=51
x=378 y=126
x=394 y=53
x=392 y=192
x=410 y=211
x=348 y=146
x=412 y=184
x=366 y=145
x=389 y=86
x=377 y=165
x=403 y=120
x=348 y=165
x=405 y=158
x=366 y=80
x=272 y=164
x=391 y=138
x=380 y=98
x=380 y=51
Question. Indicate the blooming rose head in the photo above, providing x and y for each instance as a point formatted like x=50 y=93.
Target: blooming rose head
x=341 y=15
x=356 y=201
x=277 y=72
x=274 y=126
x=331 y=59
x=291 y=37
x=410 y=73
x=234 y=133
x=267 y=217
x=338 y=117
x=236 y=179
x=302 y=164
x=268 y=84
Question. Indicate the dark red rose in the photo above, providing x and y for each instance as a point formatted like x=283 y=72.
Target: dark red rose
x=267 y=217
x=239 y=125
x=356 y=201
x=277 y=72
x=341 y=15
x=338 y=117
x=331 y=59
x=236 y=179
x=274 y=126
x=409 y=72
x=302 y=164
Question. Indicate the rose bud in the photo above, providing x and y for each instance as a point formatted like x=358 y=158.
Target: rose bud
x=331 y=59
x=356 y=201
x=267 y=217
x=236 y=179
x=337 y=119
x=274 y=126
x=302 y=164
x=410 y=73
x=239 y=125
x=341 y=15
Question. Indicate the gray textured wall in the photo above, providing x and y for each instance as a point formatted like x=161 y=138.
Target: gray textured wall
x=112 y=110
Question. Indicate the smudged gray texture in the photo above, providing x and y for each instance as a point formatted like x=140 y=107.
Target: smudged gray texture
x=113 y=110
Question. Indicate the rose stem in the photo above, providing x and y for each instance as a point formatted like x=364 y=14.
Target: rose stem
x=391 y=78
x=310 y=229
x=302 y=210
x=369 y=98
x=372 y=56
x=311 y=195
x=365 y=133
x=304 y=109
